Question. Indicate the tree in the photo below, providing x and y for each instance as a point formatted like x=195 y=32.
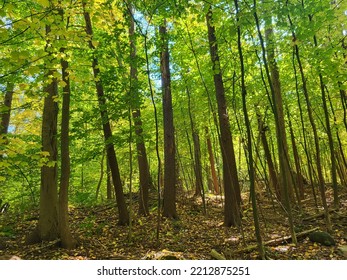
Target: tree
x=145 y=177
x=251 y=169
x=169 y=196
x=6 y=109
x=123 y=218
x=64 y=230
x=272 y=74
x=47 y=228
x=231 y=182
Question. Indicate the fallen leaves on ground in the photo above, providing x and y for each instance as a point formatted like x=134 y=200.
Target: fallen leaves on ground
x=193 y=236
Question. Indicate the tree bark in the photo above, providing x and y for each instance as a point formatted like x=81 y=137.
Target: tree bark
x=145 y=177
x=230 y=177
x=197 y=153
x=6 y=110
x=212 y=163
x=64 y=229
x=169 y=196
x=48 y=217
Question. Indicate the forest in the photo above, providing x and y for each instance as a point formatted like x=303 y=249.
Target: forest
x=173 y=129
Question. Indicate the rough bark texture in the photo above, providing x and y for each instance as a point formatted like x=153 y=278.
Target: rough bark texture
x=169 y=196
x=48 y=217
x=230 y=178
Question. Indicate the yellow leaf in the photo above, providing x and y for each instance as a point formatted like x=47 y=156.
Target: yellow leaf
x=62 y=83
x=95 y=43
x=44 y=3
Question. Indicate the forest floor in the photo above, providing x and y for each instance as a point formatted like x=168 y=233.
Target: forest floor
x=191 y=237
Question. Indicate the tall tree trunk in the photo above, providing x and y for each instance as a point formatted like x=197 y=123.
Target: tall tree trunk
x=6 y=109
x=271 y=167
x=169 y=196
x=328 y=129
x=299 y=177
x=111 y=154
x=145 y=177
x=197 y=153
x=109 y=186
x=251 y=169
x=314 y=129
x=212 y=163
x=306 y=149
x=285 y=169
x=275 y=87
x=47 y=228
x=64 y=229
x=230 y=177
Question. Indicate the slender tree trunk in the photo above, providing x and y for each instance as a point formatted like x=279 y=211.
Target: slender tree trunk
x=64 y=229
x=307 y=154
x=275 y=87
x=314 y=129
x=111 y=154
x=230 y=177
x=251 y=170
x=98 y=187
x=212 y=163
x=145 y=177
x=197 y=153
x=271 y=167
x=279 y=115
x=6 y=109
x=299 y=177
x=109 y=181
x=328 y=130
x=169 y=197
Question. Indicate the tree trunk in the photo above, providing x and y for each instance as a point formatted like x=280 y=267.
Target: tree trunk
x=283 y=154
x=271 y=167
x=275 y=87
x=328 y=131
x=212 y=163
x=251 y=169
x=111 y=154
x=6 y=110
x=230 y=177
x=64 y=229
x=109 y=186
x=169 y=196
x=197 y=153
x=47 y=228
x=314 y=130
x=145 y=177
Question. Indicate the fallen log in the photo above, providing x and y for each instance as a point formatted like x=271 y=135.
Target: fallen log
x=319 y=215
x=276 y=242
